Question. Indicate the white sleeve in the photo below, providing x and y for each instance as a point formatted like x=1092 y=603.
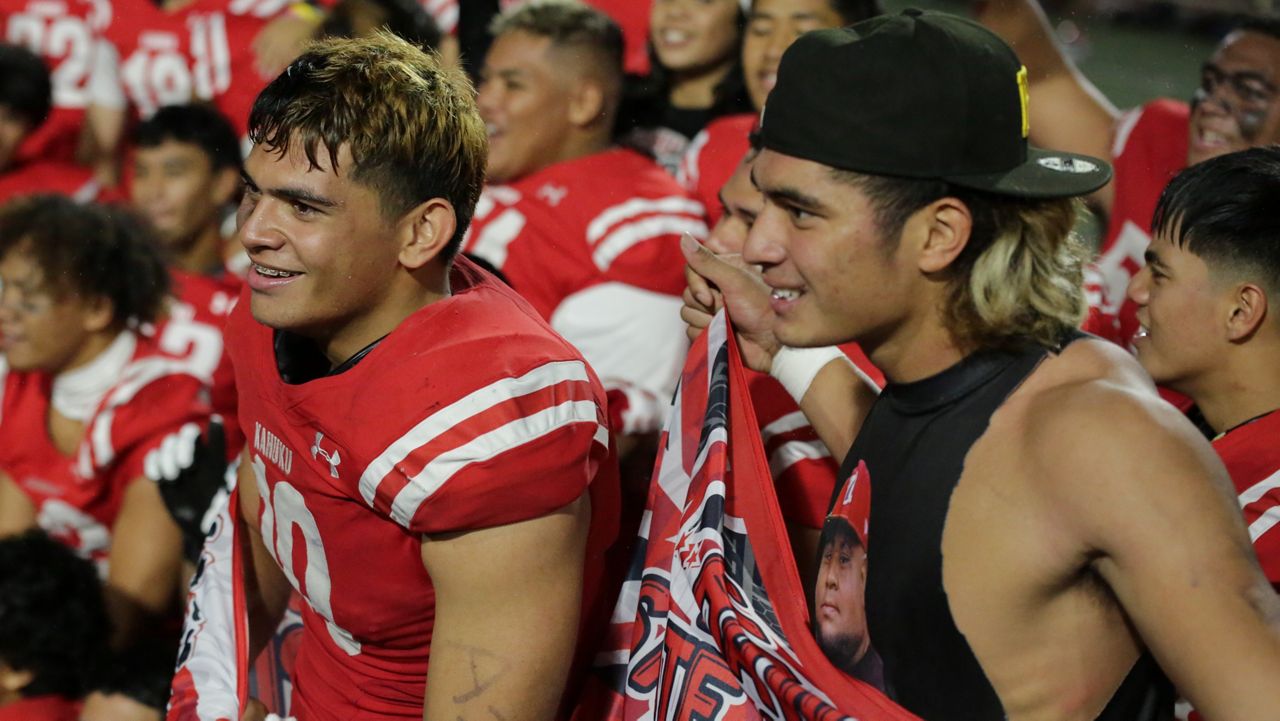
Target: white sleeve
x=105 y=86
x=633 y=338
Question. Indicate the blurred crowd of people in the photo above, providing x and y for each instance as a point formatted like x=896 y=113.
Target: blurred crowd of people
x=130 y=229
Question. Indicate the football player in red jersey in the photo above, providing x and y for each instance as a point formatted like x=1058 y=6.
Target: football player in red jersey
x=26 y=95
x=1236 y=106
x=429 y=464
x=1207 y=328
x=86 y=399
x=586 y=231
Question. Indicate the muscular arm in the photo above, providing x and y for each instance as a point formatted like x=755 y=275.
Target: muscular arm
x=17 y=512
x=508 y=601
x=144 y=563
x=1066 y=111
x=266 y=588
x=1154 y=504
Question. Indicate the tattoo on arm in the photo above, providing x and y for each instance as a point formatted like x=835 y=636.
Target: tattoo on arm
x=486 y=669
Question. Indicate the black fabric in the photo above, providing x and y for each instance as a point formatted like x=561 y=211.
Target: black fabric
x=918 y=95
x=299 y=359
x=914 y=443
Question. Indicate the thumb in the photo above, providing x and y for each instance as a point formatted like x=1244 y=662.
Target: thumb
x=718 y=271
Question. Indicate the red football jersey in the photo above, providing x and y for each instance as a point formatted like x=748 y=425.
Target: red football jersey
x=77 y=498
x=470 y=414
x=202 y=52
x=711 y=158
x=1150 y=148
x=54 y=176
x=193 y=330
x=1251 y=453
x=63 y=32
x=593 y=244
x=50 y=707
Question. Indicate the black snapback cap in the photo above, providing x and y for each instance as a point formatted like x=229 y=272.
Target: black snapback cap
x=918 y=95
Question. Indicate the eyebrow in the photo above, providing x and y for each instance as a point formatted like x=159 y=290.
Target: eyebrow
x=1244 y=74
x=290 y=193
x=1152 y=258
x=791 y=196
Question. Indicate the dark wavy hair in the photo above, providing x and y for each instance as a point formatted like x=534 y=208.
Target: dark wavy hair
x=90 y=250
x=53 y=622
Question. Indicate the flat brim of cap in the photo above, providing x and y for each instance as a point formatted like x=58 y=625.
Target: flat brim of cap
x=1046 y=174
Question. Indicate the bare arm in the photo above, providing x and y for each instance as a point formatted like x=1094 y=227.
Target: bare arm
x=1066 y=111
x=508 y=601
x=144 y=563
x=17 y=512
x=1154 y=501
x=267 y=589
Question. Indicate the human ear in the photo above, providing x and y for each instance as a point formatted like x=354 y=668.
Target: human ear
x=425 y=231
x=944 y=227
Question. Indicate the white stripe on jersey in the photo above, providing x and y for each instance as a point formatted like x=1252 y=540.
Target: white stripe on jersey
x=1259 y=489
x=793 y=421
x=137 y=375
x=1124 y=128
x=689 y=171
x=497 y=236
x=483 y=447
x=1264 y=523
x=625 y=236
x=474 y=403
x=792 y=452
x=638 y=206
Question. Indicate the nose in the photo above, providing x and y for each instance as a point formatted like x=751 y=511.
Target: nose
x=1139 y=290
x=830 y=578
x=486 y=98
x=764 y=245
x=256 y=226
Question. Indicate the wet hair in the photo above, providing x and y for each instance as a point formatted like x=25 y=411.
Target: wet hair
x=570 y=24
x=410 y=123
x=1223 y=210
x=855 y=11
x=196 y=124
x=25 y=87
x=1019 y=278
x=89 y=250
x=53 y=621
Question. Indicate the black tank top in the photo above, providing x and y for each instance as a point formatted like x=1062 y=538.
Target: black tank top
x=914 y=444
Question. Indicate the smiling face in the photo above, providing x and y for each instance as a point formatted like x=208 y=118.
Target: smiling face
x=1238 y=103
x=524 y=99
x=693 y=36
x=40 y=329
x=771 y=28
x=1182 y=314
x=835 y=278
x=324 y=254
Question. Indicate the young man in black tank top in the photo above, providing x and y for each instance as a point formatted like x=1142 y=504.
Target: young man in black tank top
x=1085 y=525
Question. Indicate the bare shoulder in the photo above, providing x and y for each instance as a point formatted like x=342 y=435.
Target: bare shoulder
x=1089 y=420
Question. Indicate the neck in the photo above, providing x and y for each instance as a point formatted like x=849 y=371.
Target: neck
x=916 y=350
x=696 y=89
x=78 y=388
x=203 y=253
x=1244 y=387
x=412 y=292
x=583 y=143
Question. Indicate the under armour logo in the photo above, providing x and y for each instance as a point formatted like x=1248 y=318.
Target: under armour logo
x=553 y=194
x=332 y=458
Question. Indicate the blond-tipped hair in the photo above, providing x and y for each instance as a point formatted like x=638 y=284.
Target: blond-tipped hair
x=410 y=123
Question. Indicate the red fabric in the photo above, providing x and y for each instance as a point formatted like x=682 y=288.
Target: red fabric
x=594 y=245
x=633 y=18
x=470 y=414
x=78 y=497
x=1151 y=147
x=62 y=32
x=713 y=155
x=202 y=52
x=804 y=473
x=712 y=622
x=41 y=708
x=54 y=176
x=193 y=330
x=1251 y=453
